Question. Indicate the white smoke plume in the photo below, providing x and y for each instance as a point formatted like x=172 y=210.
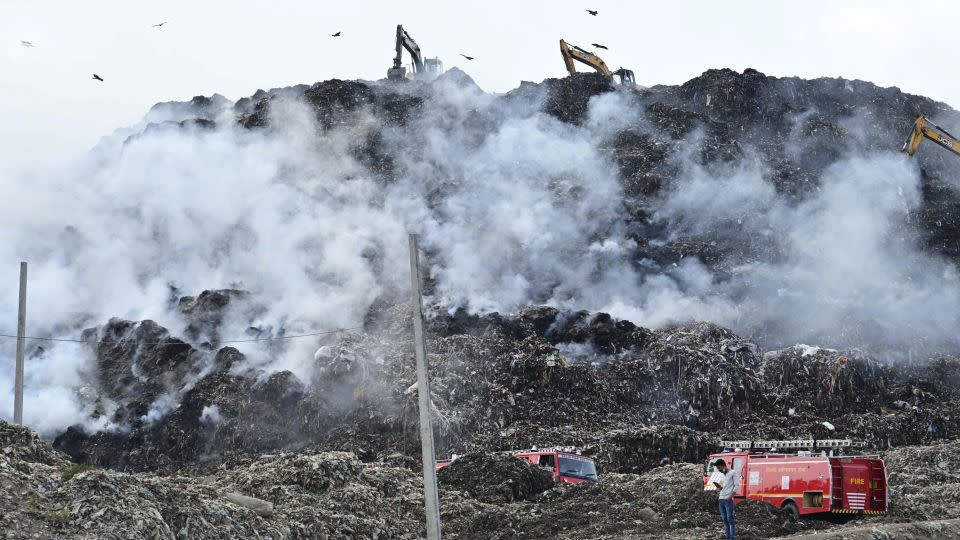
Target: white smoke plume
x=515 y=208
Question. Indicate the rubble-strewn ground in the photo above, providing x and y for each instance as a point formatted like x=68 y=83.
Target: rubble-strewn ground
x=333 y=495
x=199 y=444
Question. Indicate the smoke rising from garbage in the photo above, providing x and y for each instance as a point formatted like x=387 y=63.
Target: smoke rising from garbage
x=515 y=208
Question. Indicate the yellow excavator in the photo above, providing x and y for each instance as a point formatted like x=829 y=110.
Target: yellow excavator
x=572 y=52
x=423 y=69
x=924 y=128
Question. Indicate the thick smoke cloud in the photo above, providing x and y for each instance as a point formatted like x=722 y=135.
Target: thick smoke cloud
x=515 y=208
x=845 y=265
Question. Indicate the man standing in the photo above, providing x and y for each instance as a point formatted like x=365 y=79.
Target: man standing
x=728 y=486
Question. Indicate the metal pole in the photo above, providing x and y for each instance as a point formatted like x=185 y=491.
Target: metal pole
x=21 y=329
x=430 y=496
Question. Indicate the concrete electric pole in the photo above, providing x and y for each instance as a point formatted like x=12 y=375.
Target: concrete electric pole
x=431 y=498
x=21 y=329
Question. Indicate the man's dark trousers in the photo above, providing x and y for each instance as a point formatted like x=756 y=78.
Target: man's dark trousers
x=728 y=517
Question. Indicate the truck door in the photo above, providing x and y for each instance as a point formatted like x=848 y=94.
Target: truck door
x=548 y=461
x=740 y=468
x=856 y=483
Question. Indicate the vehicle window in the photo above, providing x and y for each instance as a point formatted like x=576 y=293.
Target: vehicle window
x=738 y=465
x=578 y=467
x=547 y=461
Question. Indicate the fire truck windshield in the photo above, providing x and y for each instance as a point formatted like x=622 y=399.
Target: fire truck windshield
x=577 y=467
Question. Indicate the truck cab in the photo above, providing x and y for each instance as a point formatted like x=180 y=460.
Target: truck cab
x=565 y=464
x=736 y=461
x=567 y=467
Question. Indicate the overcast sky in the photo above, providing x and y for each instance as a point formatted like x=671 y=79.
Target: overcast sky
x=51 y=110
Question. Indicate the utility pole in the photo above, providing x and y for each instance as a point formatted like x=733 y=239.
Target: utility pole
x=21 y=329
x=430 y=496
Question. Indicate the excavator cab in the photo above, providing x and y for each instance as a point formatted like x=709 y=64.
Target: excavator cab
x=432 y=68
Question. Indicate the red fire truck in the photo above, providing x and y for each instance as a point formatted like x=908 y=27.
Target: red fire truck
x=567 y=466
x=817 y=477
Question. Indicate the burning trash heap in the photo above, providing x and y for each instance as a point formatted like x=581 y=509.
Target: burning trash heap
x=185 y=432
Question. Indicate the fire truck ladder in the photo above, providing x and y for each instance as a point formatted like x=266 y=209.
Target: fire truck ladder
x=878 y=490
x=793 y=444
x=836 y=484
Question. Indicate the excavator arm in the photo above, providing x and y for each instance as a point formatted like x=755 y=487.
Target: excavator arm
x=404 y=41
x=925 y=129
x=424 y=69
x=572 y=52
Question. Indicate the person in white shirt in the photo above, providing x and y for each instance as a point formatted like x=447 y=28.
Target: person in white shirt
x=728 y=486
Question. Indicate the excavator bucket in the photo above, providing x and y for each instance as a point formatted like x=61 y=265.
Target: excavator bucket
x=626 y=77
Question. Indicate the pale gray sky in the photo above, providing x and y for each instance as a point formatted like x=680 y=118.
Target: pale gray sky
x=51 y=110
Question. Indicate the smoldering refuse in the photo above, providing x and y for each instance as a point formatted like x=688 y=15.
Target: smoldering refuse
x=656 y=206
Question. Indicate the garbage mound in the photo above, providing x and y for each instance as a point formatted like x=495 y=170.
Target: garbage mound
x=502 y=383
x=328 y=495
x=495 y=478
x=924 y=482
x=245 y=446
x=334 y=495
x=19 y=445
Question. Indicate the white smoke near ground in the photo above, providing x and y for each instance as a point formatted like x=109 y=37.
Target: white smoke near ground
x=515 y=208
x=210 y=415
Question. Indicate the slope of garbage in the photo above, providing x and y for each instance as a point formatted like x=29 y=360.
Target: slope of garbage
x=333 y=495
x=501 y=383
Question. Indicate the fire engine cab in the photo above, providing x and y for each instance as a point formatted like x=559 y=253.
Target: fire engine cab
x=817 y=477
x=566 y=465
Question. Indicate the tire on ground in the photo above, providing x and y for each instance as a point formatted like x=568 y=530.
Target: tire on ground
x=790 y=510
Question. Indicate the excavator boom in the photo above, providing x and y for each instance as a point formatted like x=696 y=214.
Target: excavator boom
x=925 y=129
x=572 y=52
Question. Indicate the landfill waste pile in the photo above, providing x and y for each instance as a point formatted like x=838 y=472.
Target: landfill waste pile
x=648 y=268
x=495 y=478
x=504 y=383
x=334 y=495
x=923 y=480
x=325 y=495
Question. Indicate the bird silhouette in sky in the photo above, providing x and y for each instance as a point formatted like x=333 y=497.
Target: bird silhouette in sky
x=27 y=44
x=592 y=12
x=335 y=35
x=467 y=57
x=158 y=25
x=599 y=46
x=97 y=77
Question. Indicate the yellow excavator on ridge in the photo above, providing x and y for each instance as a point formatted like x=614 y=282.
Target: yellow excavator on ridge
x=572 y=52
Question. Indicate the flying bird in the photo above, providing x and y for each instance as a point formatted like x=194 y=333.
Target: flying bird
x=467 y=57
x=158 y=25
x=335 y=35
x=592 y=12
x=97 y=77
x=27 y=44
x=599 y=46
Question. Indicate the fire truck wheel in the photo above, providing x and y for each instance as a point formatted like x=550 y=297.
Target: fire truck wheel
x=790 y=511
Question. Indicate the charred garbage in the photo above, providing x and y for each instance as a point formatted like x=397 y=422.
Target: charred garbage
x=506 y=383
